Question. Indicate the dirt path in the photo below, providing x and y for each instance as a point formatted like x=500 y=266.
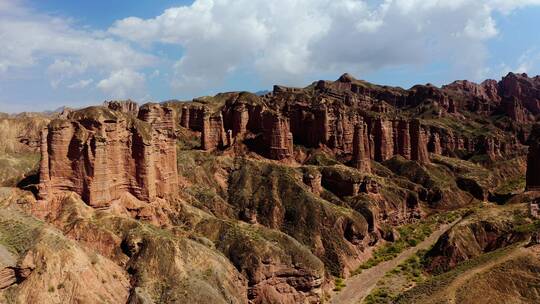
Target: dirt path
x=359 y=286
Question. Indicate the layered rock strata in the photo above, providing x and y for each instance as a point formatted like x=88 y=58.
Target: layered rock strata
x=277 y=137
x=101 y=154
x=327 y=113
x=124 y=106
x=419 y=150
x=361 y=158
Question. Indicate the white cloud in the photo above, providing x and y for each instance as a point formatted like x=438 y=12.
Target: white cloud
x=34 y=40
x=291 y=40
x=278 y=41
x=81 y=84
x=123 y=84
x=528 y=61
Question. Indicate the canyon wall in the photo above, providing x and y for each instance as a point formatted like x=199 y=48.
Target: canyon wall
x=328 y=114
x=101 y=154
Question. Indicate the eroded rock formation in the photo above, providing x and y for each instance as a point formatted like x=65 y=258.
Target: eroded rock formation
x=100 y=154
x=419 y=150
x=525 y=89
x=361 y=158
x=277 y=137
x=327 y=113
x=124 y=106
x=213 y=135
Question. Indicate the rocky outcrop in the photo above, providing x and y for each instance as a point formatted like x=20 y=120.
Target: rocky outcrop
x=124 y=106
x=313 y=179
x=192 y=117
x=101 y=154
x=435 y=144
x=326 y=114
x=483 y=232
x=277 y=137
x=524 y=89
x=163 y=143
x=429 y=94
x=383 y=139
x=341 y=182
x=213 y=135
x=487 y=90
x=419 y=150
x=516 y=111
x=402 y=139
x=361 y=153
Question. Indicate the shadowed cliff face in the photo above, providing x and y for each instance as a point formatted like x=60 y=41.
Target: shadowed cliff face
x=533 y=160
x=242 y=198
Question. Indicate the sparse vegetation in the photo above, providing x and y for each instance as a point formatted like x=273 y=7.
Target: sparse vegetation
x=339 y=284
x=410 y=236
x=380 y=296
x=439 y=282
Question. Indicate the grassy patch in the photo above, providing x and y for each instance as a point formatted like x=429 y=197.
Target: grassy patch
x=511 y=186
x=380 y=296
x=403 y=277
x=18 y=232
x=528 y=227
x=439 y=282
x=339 y=284
x=14 y=167
x=410 y=236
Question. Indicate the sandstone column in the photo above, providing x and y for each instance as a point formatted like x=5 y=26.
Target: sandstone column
x=44 y=177
x=184 y=118
x=436 y=144
x=360 y=158
x=277 y=137
x=240 y=121
x=403 y=139
x=382 y=136
x=419 y=150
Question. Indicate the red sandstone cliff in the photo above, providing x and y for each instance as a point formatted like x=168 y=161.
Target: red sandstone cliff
x=277 y=137
x=525 y=89
x=361 y=148
x=124 y=106
x=326 y=114
x=100 y=154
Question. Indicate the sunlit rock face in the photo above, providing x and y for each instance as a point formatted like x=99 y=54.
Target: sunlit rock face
x=100 y=154
x=395 y=121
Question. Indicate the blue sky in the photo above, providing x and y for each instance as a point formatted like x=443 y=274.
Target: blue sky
x=79 y=53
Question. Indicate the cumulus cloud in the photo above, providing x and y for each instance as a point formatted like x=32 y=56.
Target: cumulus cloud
x=280 y=41
x=290 y=40
x=33 y=40
x=123 y=84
